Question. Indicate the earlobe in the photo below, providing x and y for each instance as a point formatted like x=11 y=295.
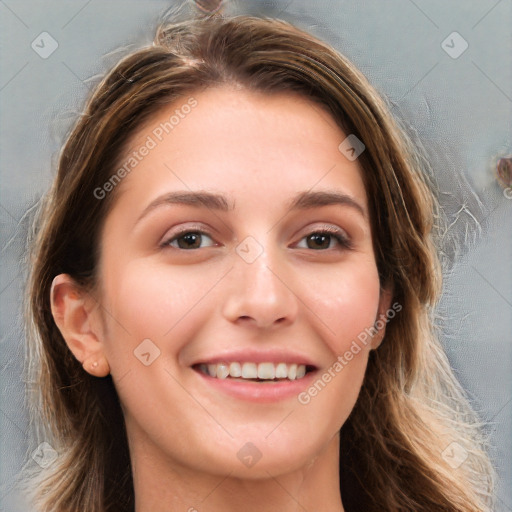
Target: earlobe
x=77 y=320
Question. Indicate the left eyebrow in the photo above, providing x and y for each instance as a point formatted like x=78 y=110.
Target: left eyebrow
x=306 y=200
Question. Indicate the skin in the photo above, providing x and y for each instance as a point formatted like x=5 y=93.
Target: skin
x=315 y=299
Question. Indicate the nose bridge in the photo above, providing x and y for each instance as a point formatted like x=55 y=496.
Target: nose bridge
x=260 y=292
x=261 y=274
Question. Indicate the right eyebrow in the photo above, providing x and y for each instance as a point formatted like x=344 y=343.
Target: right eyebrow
x=200 y=198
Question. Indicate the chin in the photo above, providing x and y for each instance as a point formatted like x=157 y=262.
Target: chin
x=257 y=457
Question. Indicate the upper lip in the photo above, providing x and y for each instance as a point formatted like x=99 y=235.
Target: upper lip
x=256 y=356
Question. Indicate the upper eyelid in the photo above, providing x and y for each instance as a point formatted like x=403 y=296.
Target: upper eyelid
x=330 y=229
x=315 y=229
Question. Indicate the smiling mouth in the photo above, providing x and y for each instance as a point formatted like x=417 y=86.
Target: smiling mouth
x=255 y=372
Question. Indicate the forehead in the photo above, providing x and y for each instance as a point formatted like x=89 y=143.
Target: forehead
x=266 y=146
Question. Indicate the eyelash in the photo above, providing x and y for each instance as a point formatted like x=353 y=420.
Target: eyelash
x=343 y=241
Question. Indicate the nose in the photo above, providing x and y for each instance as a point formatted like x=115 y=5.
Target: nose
x=261 y=293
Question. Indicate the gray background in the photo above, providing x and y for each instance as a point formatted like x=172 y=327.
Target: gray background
x=460 y=109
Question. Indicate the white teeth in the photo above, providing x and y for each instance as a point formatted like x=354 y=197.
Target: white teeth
x=281 y=371
x=235 y=370
x=249 y=371
x=222 y=371
x=266 y=371
x=262 y=371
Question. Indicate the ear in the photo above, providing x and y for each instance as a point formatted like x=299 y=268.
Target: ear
x=77 y=316
x=386 y=295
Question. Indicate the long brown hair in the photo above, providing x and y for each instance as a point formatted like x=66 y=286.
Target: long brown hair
x=410 y=408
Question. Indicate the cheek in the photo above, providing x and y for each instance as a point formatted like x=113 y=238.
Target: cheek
x=346 y=303
x=148 y=300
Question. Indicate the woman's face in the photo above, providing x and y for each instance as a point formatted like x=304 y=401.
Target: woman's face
x=215 y=259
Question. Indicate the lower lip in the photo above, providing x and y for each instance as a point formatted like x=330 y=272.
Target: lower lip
x=262 y=392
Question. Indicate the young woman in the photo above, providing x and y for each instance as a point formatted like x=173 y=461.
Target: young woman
x=232 y=288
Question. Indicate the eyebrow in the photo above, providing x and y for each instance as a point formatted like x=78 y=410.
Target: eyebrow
x=200 y=198
x=306 y=200
x=218 y=202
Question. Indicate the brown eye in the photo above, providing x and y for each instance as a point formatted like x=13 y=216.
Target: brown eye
x=321 y=240
x=187 y=240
